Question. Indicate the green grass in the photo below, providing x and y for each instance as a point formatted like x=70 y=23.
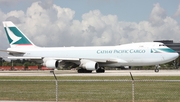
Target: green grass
x=43 y=89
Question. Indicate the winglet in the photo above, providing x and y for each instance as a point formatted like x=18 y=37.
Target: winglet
x=15 y=37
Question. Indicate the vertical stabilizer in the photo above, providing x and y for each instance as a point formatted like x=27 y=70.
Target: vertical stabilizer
x=15 y=37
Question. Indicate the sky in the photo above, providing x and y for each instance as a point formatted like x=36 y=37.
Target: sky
x=57 y=23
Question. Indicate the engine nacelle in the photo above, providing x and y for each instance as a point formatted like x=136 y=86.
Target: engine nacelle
x=51 y=63
x=89 y=65
x=127 y=67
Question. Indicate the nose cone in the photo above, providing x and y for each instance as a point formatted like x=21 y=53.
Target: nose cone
x=175 y=55
x=172 y=56
x=168 y=57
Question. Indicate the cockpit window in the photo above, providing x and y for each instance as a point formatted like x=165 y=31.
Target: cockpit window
x=162 y=45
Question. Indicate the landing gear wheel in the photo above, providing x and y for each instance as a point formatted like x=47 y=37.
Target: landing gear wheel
x=156 y=70
x=84 y=71
x=100 y=70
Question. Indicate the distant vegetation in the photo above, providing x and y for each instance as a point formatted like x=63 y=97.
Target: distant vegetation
x=18 y=62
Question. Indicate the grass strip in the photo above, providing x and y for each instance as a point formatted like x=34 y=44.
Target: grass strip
x=30 y=89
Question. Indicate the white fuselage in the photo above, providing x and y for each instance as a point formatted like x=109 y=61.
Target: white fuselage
x=135 y=54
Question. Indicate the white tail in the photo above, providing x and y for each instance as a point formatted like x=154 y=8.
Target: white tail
x=15 y=37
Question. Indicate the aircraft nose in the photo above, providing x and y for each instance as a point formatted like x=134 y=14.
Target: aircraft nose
x=170 y=57
x=176 y=55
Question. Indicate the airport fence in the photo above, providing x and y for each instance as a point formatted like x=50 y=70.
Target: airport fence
x=91 y=90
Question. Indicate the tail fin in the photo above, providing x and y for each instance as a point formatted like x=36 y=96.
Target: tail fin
x=15 y=37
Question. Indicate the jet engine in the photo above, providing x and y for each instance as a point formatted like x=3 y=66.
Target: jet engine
x=89 y=65
x=51 y=63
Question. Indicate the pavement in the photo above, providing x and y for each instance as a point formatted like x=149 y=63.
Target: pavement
x=107 y=73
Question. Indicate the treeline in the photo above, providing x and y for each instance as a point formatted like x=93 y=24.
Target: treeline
x=18 y=62
x=171 y=65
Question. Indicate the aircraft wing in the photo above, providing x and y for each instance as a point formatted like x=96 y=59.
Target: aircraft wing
x=110 y=60
x=42 y=58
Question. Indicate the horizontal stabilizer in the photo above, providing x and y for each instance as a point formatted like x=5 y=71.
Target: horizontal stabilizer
x=15 y=52
x=25 y=57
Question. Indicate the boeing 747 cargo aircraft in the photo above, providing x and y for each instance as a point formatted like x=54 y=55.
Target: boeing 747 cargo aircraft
x=86 y=58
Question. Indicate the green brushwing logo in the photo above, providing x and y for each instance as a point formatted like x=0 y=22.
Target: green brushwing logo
x=15 y=36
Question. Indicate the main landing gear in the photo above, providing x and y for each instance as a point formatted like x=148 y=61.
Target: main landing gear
x=156 y=68
x=81 y=70
x=99 y=70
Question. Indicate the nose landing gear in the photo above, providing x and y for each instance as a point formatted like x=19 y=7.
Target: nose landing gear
x=156 y=68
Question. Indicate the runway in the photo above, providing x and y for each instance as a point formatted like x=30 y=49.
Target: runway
x=107 y=73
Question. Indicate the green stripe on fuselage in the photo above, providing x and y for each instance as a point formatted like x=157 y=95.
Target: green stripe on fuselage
x=169 y=50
